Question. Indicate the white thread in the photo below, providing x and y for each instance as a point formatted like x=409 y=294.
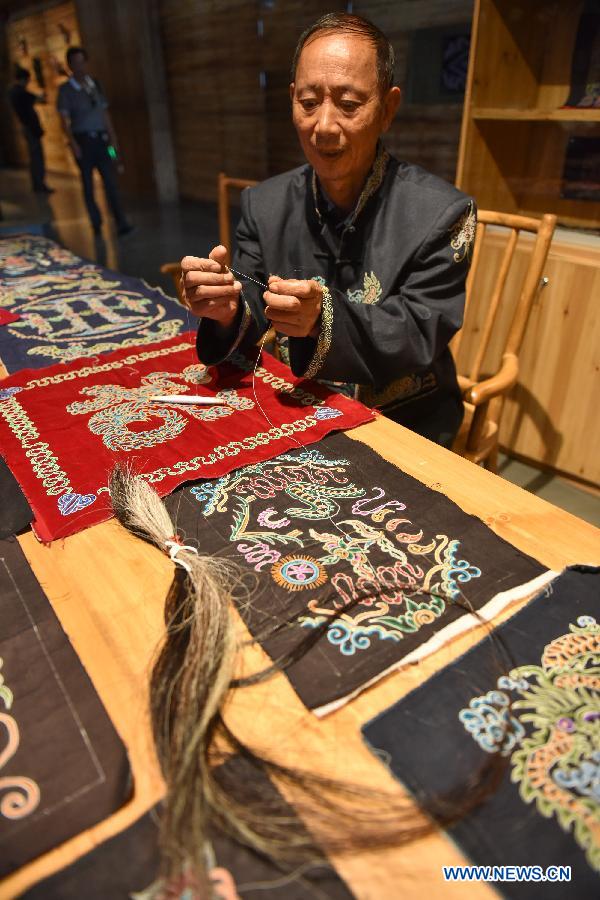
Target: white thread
x=175 y=547
x=249 y=277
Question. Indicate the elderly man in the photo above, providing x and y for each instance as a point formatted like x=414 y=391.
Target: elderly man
x=365 y=257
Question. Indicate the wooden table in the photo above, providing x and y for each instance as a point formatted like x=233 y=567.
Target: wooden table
x=108 y=590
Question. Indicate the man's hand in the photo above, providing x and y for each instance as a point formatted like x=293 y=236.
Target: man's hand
x=294 y=306
x=209 y=289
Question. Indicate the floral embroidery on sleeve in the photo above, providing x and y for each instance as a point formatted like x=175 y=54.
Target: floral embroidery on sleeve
x=463 y=234
x=324 y=340
x=369 y=293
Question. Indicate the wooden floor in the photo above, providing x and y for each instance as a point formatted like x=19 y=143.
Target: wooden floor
x=108 y=590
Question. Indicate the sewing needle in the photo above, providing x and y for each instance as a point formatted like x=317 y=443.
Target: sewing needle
x=249 y=277
x=192 y=399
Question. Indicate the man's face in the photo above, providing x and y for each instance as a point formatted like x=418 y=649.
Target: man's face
x=337 y=107
x=79 y=65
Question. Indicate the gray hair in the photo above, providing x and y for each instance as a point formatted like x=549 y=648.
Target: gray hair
x=350 y=24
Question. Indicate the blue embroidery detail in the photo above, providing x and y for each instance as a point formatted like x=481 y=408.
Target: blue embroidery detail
x=327 y=412
x=300 y=571
x=72 y=503
x=489 y=722
x=350 y=640
x=7 y=393
x=585 y=779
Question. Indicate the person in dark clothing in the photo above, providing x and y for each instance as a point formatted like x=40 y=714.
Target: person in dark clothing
x=86 y=121
x=371 y=254
x=23 y=103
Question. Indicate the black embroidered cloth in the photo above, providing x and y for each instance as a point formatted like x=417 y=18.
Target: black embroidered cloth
x=70 y=308
x=127 y=865
x=15 y=511
x=546 y=811
x=361 y=558
x=62 y=765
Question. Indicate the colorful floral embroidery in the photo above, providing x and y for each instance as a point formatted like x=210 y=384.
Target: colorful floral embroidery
x=79 y=322
x=551 y=731
x=85 y=277
x=327 y=412
x=72 y=503
x=7 y=393
x=298 y=572
x=463 y=234
x=369 y=293
x=23 y=795
x=22 y=253
x=116 y=408
x=369 y=601
x=44 y=463
x=75 y=311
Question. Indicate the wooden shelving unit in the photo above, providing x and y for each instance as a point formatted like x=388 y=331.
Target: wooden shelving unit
x=537 y=115
x=515 y=133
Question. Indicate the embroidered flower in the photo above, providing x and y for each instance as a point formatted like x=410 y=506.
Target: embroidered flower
x=369 y=293
x=463 y=234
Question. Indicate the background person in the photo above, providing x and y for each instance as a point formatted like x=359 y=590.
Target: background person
x=23 y=103
x=380 y=249
x=86 y=121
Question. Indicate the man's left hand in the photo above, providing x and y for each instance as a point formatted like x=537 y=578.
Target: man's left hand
x=293 y=306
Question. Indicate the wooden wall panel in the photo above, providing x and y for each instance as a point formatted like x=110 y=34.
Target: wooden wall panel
x=213 y=64
x=223 y=119
x=551 y=417
x=110 y=32
x=44 y=35
x=426 y=135
x=283 y=24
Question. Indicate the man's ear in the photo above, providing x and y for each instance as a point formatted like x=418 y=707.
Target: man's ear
x=292 y=88
x=391 y=104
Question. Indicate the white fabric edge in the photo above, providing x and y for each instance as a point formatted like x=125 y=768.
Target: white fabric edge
x=492 y=608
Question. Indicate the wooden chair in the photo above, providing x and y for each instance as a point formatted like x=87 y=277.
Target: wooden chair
x=174 y=270
x=484 y=394
x=224 y=184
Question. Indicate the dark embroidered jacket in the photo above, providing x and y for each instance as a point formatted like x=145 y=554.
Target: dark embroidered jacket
x=394 y=274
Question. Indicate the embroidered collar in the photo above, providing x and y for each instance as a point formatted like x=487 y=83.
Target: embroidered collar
x=372 y=183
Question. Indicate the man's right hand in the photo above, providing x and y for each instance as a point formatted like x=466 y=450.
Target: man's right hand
x=209 y=289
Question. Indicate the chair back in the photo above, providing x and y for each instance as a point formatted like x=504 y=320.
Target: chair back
x=174 y=270
x=482 y=313
x=494 y=323
x=224 y=185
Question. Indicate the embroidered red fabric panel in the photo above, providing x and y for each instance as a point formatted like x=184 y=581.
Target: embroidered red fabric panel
x=62 y=429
